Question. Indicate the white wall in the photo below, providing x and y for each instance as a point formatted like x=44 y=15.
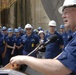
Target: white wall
x=39 y=16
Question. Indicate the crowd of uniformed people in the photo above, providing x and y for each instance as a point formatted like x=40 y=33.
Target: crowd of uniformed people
x=60 y=55
x=19 y=41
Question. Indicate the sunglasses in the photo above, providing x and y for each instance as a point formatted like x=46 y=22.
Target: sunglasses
x=28 y=28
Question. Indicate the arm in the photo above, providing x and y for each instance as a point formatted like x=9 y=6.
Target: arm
x=46 y=66
x=19 y=46
x=3 y=55
x=13 y=49
x=9 y=46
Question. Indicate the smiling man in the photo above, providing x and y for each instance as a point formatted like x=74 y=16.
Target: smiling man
x=65 y=63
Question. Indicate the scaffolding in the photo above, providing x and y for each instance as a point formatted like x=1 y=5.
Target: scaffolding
x=5 y=4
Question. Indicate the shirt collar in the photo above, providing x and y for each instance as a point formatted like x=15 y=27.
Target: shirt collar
x=74 y=33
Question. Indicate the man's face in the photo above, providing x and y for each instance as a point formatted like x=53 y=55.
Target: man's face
x=5 y=31
x=69 y=17
x=28 y=30
x=61 y=29
x=52 y=28
x=17 y=34
x=10 y=33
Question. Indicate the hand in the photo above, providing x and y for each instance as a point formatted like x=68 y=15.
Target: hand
x=18 y=47
x=17 y=60
x=41 y=41
x=12 y=52
x=14 y=48
x=3 y=55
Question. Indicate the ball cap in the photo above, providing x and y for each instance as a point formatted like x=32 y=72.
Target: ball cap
x=4 y=28
x=10 y=30
x=19 y=28
x=62 y=26
x=39 y=28
x=66 y=4
x=16 y=30
x=41 y=32
x=52 y=23
x=28 y=26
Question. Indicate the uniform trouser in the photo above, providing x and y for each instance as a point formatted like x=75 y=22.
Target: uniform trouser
x=2 y=61
x=8 y=57
x=18 y=52
x=41 y=54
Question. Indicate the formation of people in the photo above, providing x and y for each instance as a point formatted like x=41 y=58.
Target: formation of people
x=20 y=41
x=65 y=62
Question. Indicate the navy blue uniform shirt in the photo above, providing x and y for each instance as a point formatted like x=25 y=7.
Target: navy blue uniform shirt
x=68 y=56
x=2 y=43
x=53 y=49
x=10 y=41
x=64 y=36
x=69 y=34
x=29 y=42
x=18 y=40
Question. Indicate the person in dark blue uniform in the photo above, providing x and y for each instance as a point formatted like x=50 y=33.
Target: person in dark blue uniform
x=62 y=29
x=4 y=31
x=46 y=32
x=10 y=43
x=63 y=34
x=35 y=31
x=30 y=41
x=53 y=49
x=39 y=28
x=65 y=63
x=20 y=31
x=2 y=49
x=18 y=43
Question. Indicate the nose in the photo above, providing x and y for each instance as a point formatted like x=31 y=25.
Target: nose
x=63 y=15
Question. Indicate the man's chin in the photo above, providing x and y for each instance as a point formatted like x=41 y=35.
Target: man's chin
x=66 y=26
